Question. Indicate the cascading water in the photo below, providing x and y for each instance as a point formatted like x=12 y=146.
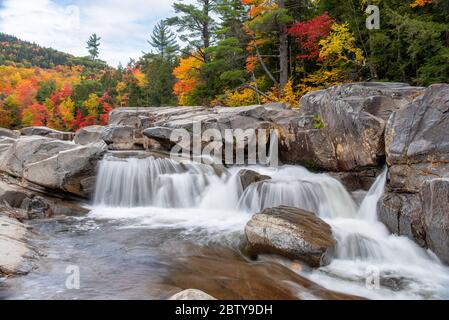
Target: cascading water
x=161 y=193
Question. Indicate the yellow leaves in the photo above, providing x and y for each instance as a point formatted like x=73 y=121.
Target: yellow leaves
x=140 y=77
x=67 y=110
x=243 y=97
x=340 y=46
x=121 y=87
x=92 y=105
x=420 y=3
x=289 y=95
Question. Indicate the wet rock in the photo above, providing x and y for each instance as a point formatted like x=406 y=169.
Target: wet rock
x=192 y=294
x=292 y=233
x=248 y=177
x=47 y=132
x=6 y=133
x=87 y=135
x=402 y=214
x=359 y=180
x=341 y=129
x=435 y=199
x=31 y=203
x=16 y=256
x=226 y=275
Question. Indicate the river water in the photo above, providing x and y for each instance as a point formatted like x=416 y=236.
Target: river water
x=156 y=224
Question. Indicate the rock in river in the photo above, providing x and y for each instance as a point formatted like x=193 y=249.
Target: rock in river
x=292 y=233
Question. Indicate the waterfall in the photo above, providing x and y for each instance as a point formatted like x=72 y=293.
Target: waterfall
x=151 y=182
x=161 y=193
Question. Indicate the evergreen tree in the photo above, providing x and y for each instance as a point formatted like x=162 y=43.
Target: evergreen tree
x=93 y=45
x=195 y=24
x=163 y=40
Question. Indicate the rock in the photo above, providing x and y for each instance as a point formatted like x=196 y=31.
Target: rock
x=192 y=294
x=6 y=133
x=359 y=180
x=402 y=214
x=417 y=144
x=417 y=153
x=16 y=256
x=69 y=171
x=47 y=132
x=435 y=199
x=53 y=164
x=31 y=203
x=342 y=128
x=248 y=177
x=292 y=233
x=89 y=135
x=125 y=138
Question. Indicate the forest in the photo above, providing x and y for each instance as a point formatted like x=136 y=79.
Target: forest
x=229 y=53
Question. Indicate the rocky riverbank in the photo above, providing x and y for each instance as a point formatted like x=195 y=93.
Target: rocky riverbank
x=350 y=132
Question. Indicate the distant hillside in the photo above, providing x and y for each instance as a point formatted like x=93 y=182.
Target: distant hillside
x=14 y=51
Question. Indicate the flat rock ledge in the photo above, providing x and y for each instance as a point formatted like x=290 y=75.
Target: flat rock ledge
x=292 y=233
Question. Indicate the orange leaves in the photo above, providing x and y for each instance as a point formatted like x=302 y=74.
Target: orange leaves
x=35 y=115
x=420 y=3
x=187 y=74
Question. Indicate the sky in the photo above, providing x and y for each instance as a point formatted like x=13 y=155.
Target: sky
x=123 y=25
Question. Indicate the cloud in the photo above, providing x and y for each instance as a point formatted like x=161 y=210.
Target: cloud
x=124 y=26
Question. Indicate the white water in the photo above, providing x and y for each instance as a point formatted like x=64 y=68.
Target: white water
x=160 y=193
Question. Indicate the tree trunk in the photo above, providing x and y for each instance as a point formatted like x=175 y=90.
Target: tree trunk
x=283 y=52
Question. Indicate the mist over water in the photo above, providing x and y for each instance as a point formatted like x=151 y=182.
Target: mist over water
x=160 y=193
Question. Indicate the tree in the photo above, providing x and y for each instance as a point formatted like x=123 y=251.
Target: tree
x=93 y=45
x=164 y=41
x=196 y=20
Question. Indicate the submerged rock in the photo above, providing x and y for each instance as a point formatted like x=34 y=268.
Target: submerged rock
x=292 y=233
x=248 y=177
x=192 y=294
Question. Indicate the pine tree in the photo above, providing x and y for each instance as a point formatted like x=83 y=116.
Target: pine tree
x=93 y=45
x=196 y=20
x=163 y=40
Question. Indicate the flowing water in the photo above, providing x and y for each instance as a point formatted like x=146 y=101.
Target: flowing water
x=147 y=208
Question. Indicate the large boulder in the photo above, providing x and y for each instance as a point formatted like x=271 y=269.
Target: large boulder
x=52 y=164
x=88 y=135
x=47 y=132
x=119 y=137
x=342 y=128
x=417 y=150
x=417 y=143
x=17 y=257
x=292 y=233
x=248 y=177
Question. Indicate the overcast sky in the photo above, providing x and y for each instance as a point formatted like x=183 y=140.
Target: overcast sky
x=124 y=25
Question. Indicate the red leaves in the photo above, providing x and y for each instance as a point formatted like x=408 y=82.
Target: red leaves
x=309 y=33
